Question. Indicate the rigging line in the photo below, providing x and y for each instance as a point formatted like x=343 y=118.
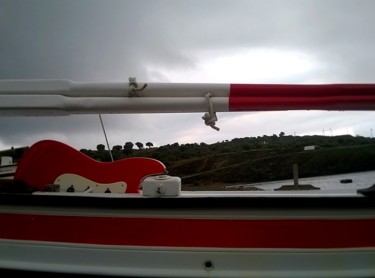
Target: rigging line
x=105 y=135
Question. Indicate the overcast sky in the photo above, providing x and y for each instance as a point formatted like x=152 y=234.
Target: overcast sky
x=284 y=41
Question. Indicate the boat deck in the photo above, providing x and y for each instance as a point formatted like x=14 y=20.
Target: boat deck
x=221 y=194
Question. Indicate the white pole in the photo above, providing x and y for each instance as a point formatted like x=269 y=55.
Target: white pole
x=64 y=97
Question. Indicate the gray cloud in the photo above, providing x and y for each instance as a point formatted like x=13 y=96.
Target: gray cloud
x=111 y=40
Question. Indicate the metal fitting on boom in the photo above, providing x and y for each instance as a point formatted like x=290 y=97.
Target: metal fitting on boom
x=134 y=91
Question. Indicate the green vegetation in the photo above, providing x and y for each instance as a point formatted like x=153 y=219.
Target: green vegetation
x=253 y=159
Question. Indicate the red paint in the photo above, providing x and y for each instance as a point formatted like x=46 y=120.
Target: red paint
x=271 y=97
x=48 y=159
x=322 y=233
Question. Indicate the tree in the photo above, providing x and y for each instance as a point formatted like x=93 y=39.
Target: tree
x=128 y=148
x=139 y=145
x=282 y=133
x=128 y=145
x=117 y=148
x=149 y=144
x=100 y=147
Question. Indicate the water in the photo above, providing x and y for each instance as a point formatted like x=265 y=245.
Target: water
x=360 y=180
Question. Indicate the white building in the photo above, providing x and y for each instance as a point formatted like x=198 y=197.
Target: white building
x=312 y=147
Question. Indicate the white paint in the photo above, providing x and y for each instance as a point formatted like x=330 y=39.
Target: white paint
x=82 y=184
x=63 y=97
x=185 y=262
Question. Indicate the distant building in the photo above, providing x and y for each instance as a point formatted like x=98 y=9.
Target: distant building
x=310 y=148
x=12 y=155
x=6 y=160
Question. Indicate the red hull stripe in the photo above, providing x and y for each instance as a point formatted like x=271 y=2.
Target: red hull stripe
x=190 y=232
x=265 y=97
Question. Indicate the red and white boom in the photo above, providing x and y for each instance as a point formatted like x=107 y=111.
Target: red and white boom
x=63 y=97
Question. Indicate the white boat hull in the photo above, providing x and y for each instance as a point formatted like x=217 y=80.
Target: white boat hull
x=190 y=236
x=135 y=261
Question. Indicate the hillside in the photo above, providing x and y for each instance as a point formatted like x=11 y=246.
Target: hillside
x=268 y=165
x=247 y=160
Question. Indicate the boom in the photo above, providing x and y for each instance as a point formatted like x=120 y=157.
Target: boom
x=64 y=97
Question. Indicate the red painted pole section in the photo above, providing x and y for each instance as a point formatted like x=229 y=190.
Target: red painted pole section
x=270 y=97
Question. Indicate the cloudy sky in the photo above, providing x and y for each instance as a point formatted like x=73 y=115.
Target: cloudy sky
x=204 y=41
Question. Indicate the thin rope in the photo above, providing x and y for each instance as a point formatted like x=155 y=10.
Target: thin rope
x=105 y=135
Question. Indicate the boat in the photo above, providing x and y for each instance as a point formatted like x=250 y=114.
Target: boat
x=72 y=215
x=7 y=170
x=7 y=166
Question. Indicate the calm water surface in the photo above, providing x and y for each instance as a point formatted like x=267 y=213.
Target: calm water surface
x=360 y=180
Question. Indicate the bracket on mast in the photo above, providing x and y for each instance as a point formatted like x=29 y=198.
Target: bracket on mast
x=210 y=117
x=134 y=91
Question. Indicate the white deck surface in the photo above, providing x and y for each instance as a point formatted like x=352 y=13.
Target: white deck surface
x=221 y=194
